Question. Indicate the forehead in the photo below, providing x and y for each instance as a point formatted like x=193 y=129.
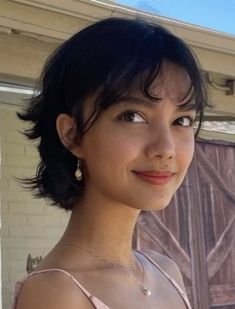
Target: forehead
x=172 y=81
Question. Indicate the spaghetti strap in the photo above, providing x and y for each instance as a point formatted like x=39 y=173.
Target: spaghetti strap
x=95 y=301
x=66 y=273
x=172 y=281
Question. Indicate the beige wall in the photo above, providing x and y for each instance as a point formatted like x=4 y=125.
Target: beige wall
x=28 y=224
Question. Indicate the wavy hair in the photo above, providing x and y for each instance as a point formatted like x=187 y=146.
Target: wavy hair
x=109 y=58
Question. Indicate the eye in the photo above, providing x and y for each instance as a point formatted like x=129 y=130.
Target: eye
x=185 y=121
x=131 y=116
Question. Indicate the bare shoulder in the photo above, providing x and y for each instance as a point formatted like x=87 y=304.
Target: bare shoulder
x=170 y=267
x=52 y=290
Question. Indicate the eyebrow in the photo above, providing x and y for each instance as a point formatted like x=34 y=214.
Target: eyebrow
x=187 y=106
x=135 y=100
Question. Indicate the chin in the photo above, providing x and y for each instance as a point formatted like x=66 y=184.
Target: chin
x=157 y=206
x=154 y=205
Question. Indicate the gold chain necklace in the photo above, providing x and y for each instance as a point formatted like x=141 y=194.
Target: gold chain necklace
x=145 y=290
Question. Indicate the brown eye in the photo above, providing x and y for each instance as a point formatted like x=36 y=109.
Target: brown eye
x=131 y=116
x=184 y=121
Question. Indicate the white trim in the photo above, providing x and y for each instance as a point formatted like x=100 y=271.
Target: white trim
x=16 y=90
x=14 y=95
x=92 y=10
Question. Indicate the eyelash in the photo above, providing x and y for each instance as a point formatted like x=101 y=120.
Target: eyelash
x=191 y=121
x=134 y=112
x=128 y=113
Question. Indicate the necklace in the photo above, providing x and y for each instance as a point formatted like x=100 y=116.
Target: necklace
x=144 y=289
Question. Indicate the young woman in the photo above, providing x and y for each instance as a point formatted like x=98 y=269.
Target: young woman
x=114 y=118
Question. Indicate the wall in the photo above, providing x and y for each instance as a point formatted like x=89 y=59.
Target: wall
x=28 y=225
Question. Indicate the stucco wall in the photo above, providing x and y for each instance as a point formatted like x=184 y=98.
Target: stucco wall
x=28 y=225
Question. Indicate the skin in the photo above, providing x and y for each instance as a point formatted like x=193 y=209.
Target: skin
x=133 y=135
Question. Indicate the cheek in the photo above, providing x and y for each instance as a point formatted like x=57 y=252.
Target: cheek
x=184 y=157
x=186 y=151
x=110 y=150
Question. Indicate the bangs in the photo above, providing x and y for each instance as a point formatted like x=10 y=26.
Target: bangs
x=128 y=57
x=142 y=64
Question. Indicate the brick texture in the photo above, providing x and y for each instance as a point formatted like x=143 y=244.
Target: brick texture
x=29 y=226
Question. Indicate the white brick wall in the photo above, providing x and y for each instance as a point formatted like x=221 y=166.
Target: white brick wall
x=28 y=224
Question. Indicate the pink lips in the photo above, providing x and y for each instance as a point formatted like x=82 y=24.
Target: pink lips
x=155 y=177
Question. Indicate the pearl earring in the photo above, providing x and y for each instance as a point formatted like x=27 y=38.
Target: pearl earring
x=78 y=172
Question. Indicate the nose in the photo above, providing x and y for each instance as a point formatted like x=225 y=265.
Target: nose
x=161 y=144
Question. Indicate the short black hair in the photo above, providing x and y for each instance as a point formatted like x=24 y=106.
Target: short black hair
x=109 y=58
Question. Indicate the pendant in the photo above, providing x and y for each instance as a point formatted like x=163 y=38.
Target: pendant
x=146 y=291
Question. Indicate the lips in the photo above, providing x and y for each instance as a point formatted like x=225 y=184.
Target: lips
x=155 y=177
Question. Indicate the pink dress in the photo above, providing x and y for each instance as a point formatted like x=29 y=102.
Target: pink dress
x=98 y=304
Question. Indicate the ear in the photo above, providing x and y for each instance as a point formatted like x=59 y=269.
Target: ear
x=66 y=129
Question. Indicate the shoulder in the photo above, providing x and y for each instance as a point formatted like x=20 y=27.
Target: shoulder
x=52 y=290
x=168 y=265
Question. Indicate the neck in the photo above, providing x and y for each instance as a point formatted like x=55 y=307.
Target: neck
x=105 y=229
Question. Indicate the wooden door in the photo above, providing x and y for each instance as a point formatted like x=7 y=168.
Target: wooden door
x=197 y=230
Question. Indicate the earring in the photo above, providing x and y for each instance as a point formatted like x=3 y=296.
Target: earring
x=78 y=172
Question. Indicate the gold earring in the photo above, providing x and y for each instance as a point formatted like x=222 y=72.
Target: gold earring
x=78 y=172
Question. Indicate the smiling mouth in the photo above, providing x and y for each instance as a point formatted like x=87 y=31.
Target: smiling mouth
x=155 y=177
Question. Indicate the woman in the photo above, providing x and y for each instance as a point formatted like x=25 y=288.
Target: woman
x=114 y=118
